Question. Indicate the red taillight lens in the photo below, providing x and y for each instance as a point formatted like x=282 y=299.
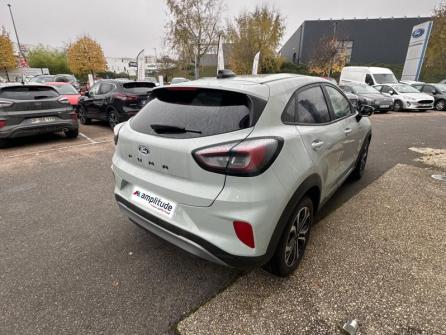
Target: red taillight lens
x=125 y=97
x=244 y=232
x=2 y=123
x=247 y=158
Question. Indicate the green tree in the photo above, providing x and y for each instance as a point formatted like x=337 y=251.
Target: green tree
x=86 y=56
x=435 y=61
x=7 y=58
x=55 y=61
x=327 y=58
x=193 y=28
x=251 y=32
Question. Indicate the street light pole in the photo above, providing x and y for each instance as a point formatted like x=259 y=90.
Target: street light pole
x=16 y=34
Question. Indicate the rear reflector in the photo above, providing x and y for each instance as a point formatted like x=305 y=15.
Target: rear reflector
x=244 y=232
x=2 y=123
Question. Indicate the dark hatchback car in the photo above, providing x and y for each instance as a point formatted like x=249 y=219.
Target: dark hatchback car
x=35 y=109
x=368 y=95
x=438 y=91
x=114 y=101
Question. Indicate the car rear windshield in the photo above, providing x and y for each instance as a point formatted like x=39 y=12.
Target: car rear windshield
x=138 y=88
x=27 y=92
x=196 y=112
x=65 y=89
x=385 y=78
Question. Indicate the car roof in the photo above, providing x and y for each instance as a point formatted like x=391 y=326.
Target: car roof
x=253 y=85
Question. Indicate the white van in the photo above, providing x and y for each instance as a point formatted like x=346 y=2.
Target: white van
x=367 y=75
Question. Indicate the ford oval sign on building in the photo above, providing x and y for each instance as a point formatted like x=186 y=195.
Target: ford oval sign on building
x=419 y=39
x=418 y=33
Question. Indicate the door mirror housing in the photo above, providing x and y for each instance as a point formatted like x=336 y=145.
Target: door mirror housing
x=364 y=111
x=391 y=92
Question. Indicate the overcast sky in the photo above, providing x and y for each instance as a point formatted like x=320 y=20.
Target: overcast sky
x=123 y=27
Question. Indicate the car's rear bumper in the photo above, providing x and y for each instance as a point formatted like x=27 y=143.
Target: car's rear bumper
x=44 y=128
x=184 y=239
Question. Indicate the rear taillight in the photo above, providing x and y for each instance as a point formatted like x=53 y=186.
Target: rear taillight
x=247 y=158
x=6 y=103
x=244 y=232
x=125 y=97
x=2 y=123
x=63 y=100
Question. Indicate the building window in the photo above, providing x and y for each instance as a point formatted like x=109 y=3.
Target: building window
x=345 y=48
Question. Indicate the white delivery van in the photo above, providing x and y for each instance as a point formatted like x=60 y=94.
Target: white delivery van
x=367 y=75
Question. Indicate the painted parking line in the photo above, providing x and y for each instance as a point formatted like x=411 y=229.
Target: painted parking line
x=87 y=138
x=59 y=149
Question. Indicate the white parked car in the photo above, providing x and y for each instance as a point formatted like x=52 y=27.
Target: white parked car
x=406 y=97
x=366 y=75
x=234 y=170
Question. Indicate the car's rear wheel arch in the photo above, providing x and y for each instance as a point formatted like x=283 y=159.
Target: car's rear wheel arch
x=310 y=187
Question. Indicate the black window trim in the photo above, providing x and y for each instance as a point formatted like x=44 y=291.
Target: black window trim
x=333 y=119
x=109 y=83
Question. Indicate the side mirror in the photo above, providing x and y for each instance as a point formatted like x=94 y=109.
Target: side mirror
x=366 y=110
x=87 y=94
x=391 y=92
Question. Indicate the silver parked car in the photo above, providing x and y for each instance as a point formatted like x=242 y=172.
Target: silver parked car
x=234 y=170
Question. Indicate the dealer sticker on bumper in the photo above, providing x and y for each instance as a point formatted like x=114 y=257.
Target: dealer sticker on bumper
x=155 y=202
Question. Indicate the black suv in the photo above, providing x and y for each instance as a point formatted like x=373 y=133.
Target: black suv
x=438 y=92
x=114 y=101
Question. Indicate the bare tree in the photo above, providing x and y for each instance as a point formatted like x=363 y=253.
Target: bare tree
x=194 y=26
x=327 y=58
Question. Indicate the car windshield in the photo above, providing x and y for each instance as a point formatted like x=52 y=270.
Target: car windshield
x=206 y=111
x=384 y=78
x=363 y=89
x=42 y=79
x=138 y=87
x=405 y=89
x=65 y=89
x=28 y=92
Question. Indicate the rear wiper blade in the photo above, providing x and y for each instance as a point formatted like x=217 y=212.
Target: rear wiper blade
x=163 y=129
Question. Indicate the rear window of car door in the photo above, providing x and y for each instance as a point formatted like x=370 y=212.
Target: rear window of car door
x=311 y=106
x=340 y=104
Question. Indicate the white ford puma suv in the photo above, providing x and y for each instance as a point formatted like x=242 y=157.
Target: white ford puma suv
x=233 y=170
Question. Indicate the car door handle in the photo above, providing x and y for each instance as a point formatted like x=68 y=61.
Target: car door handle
x=348 y=131
x=317 y=144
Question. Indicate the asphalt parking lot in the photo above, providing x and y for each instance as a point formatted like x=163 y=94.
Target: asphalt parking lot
x=70 y=263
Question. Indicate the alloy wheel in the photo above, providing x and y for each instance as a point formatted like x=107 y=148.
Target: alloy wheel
x=440 y=105
x=112 y=119
x=298 y=236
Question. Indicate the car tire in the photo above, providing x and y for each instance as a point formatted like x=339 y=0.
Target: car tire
x=83 y=116
x=112 y=118
x=361 y=162
x=440 y=105
x=291 y=247
x=4 y=143
x=398 y=106
x=72 y=133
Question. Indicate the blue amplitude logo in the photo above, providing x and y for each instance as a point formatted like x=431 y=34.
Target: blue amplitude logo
x=418 y=33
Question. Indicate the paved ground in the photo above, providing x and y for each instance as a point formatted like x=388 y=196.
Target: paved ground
x=70 y=263
x=380 y=259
